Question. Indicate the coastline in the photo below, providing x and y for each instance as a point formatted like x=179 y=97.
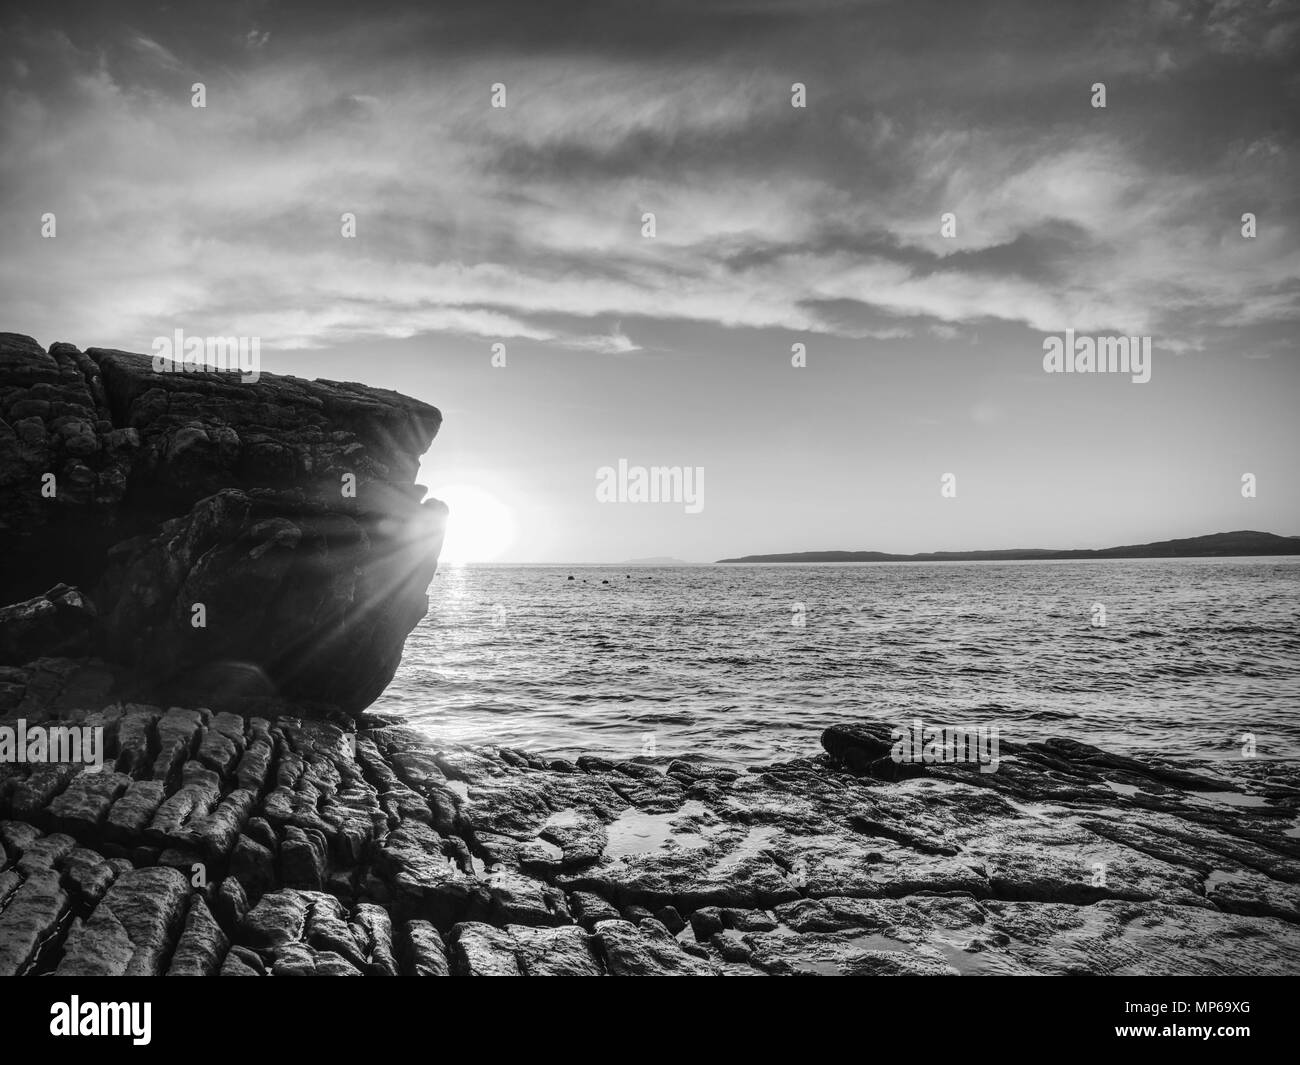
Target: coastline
x=422 y=859
x=253 y=817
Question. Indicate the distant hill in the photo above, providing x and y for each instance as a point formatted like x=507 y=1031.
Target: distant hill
x=1243 y=542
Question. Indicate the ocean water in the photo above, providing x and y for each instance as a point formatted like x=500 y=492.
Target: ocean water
x=747 y=664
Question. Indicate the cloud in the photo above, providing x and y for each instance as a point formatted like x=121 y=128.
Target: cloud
x=153 y=51
x=492 y=223
x=615 y=342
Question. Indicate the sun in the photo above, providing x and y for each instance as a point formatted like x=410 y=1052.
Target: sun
x=480 y=528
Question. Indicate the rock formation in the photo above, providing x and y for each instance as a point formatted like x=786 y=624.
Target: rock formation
x=367 y=848
x=211 y=539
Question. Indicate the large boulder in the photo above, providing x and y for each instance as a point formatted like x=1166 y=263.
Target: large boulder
x=233 y=539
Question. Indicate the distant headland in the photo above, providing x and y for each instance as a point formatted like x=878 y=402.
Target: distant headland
x=1215 y=545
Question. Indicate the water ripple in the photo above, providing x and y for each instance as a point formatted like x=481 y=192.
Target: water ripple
x=748 y=663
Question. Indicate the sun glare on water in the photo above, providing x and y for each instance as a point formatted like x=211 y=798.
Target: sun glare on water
x=480 y=528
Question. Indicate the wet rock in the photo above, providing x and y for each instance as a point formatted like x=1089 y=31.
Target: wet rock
x=836 y=914
x=230 y=903
x=215 y=834
x=17 y=836
x=424 y=882
x=920 y=842
x=344 y=884
x=477 y=949
x=423 y=951
x=31 y=916
x=33 y=794
x=517 y=899
x=706 y=922
x=83 y=807
x=327 y=931
x=298 y=959
x=562 y=951
x=260 y=830
x=715 y=866
x=132 y=931
x=355 y=811
x=250 y=958
x=697 y=950
x=45 y=853
x=748 y=920
x=729 y=948
x=418 y=770
x=398 y=800
x=458 y=851
x=88 y=875
x=279 y=917
x=134 y=735
x=202 y=946
x=239 y=963
x=1247 y=892
x=222 y=745
x=177 y=733
x=1120 y=938
x=330 y=964
x=135 y=810
x=255 y=765
x=377 y=938
x=590 y=908
x=836 y=954
x=303 y=858
x=856 y=746
x=198 y=795
x=647 y=949
x=253 y=866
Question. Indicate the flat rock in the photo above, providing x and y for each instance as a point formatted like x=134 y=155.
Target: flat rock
x=132 y=931
x=647 y=949
x=478 y=949
x=423 y=951
x=279 y=917
x=564 y=951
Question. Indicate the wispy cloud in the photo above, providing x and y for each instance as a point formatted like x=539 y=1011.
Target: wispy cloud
x=490 y=222
x=153 y=52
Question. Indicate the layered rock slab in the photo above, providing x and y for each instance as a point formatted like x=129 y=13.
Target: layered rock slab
x=387 y=852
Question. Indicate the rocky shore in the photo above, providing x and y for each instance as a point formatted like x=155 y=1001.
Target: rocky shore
x=215 y=843
x=251 y=819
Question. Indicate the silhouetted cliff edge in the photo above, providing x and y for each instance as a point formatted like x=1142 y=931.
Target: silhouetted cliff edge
x=206 y=537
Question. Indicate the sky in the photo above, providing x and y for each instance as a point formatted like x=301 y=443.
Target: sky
x=774 y=225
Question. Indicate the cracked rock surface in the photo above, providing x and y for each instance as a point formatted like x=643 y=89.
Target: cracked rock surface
x=369 y=849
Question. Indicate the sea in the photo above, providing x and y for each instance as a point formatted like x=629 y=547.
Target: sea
x=1187 y=659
